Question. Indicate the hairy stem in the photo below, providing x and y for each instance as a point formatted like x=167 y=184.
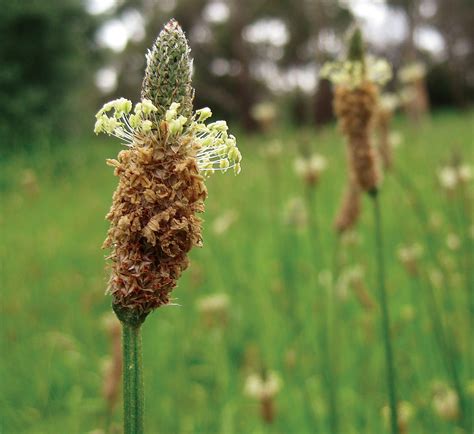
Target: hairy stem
x=133 y=395
x=382 y=293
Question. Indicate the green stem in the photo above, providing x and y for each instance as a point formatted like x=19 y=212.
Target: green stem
x=382 y=293
x=133 y=395
x=329 y=358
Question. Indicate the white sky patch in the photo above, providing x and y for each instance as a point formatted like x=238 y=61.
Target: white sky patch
x=106 y=79
x=167 y=5
x=216 y=12
x=114 y=35
x=221 y=67
x=382 y=25
x=270 y=31
x=134 y=23
x=97 y=7
x=428 y=8
x=201 y=34
x=280 y=80
x=429 y=39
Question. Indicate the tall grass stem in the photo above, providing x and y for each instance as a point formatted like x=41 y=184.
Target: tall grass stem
x=328 y=314
x=382 y=293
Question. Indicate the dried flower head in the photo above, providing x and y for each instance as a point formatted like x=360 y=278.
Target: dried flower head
x=349 y=210
x=310 y=169
x=445 y=402
x=161 y=178
x=355 y=104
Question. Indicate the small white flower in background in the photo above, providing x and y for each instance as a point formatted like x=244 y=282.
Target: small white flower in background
x=214 y=309
x=453 y=241
x=395 y=139
x=222 y=223
x=451 y=176
x=214 y=303
x=263 y=387
x=310 y=168
x=465 y=173
x=407 y=94
x=389 y=101
x=351 y=238
x=436 y=220
x=412 y=72
x=411 y=252
x=273 y=150
x=409 y=256
x=448 y=177
x=264 y=112
x=445 y=403
x=406 y=412
x=436 y=277
x=352 y=74
x=295 y=213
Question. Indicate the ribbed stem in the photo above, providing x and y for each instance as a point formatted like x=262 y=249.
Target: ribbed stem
x=382 y=293
x=133 y=395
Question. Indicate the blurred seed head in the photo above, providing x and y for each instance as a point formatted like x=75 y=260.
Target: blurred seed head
x=265 y=114
x=29 y=182
x=263 y=385
x=296 y=213
x=310 y=169
x=349 y=211
x=405 y=411
x=412 y=72
x=214 y=309
x=395 y=138
x=273 y=150
x=409 y=256
x=453 y=241
x=445 y=402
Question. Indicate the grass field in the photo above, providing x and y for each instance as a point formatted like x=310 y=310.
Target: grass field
x=54 y=343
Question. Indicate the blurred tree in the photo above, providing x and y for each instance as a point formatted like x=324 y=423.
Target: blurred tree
x=46 y=54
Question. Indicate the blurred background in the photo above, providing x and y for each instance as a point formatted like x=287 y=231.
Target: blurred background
x=277 y=299
x=63 y=59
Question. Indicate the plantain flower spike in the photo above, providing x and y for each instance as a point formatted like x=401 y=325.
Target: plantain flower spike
x=169 y=152
x=168 y=72
x=356 y=83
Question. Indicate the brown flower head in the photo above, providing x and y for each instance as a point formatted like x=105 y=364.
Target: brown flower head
x=161 y=189
x=355 y=103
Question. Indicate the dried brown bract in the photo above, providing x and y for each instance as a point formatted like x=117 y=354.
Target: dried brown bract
x=153 y=222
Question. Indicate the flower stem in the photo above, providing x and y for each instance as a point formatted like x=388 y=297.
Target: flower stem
x=382 y=293
x=133 y=395
x=328 y=326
